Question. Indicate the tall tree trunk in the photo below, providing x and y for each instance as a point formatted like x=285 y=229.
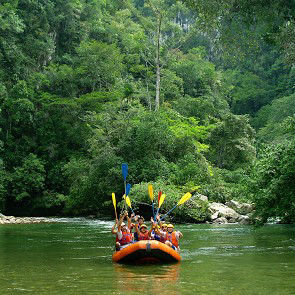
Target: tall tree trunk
x=158 y=66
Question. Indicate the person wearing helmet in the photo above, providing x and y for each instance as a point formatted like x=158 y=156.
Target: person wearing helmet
x=142 y=231
x=172 y=237
x=124 y=236
x=164 y=227
x=131 y=225
x=162 y=230
x=140 y=221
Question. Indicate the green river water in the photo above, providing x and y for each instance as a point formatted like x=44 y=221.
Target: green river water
x=74 y=257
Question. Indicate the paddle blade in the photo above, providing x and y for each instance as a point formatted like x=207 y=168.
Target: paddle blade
x=151 y=192
x=185 y=198
x=128 y=188
x=114 y=199
x=128 y=202
x=124 y=170
x=159 y=196
x=162 y=200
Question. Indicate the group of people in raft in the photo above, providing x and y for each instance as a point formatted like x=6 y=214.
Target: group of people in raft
x=159 y=231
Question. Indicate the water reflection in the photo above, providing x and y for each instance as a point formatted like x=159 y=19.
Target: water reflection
x=148 y=279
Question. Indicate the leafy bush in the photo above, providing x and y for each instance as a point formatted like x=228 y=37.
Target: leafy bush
x=193 y=210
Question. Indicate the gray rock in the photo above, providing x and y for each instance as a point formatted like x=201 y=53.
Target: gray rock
x=214 y=215
x=232 y=220
x=246 y=208
x=224 y=211
x=233 y=204
x=203 y=198
x=220 y=220
x=244 y=219
x=241 y=208
x=23 y=220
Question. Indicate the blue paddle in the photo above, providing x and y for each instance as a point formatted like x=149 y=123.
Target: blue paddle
x=128 y=188
x=125 y=174
x=124 y=171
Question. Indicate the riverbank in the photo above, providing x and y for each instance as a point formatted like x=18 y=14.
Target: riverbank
x=23 y=220
x=216 y=213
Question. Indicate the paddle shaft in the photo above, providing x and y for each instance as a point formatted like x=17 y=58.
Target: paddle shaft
x=132 y=210
x=124 y=173
x=157 y=212
x=116 y=213
x=169 y=212
x=125 y=194
x=153 y=208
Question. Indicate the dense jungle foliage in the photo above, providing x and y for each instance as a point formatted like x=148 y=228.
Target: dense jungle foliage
x=188 y=94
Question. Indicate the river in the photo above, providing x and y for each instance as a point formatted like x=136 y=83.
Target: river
x=74 y=257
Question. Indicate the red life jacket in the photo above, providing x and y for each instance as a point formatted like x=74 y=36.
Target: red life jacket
x=172 y=238
x=126 y=238
x=143 y=236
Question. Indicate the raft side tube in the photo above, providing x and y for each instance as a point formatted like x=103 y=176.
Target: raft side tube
x=150 y=251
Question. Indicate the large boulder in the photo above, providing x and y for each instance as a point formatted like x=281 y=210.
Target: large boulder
x=233 y=204
x=223 y=211
x=203 y=198
x=244 y=219
x=241 y=208
x=220 y=220
x=214 y=215
x=246 y=208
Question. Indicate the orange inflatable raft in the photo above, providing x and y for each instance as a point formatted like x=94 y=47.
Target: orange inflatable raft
x=146 y=252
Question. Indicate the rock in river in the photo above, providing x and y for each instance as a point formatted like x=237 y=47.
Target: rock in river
x=223 y=211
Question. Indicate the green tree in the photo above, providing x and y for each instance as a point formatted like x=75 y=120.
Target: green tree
x=274 y=23
x=272 y=182
x=26 y=183
x=276 y=117
x=11 y=56
x=232 y=142
x=99 y=66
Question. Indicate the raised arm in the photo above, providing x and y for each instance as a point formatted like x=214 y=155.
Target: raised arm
x=128 y=221
x=121 y=220
x=136 y=225
x=114 y=227
x=154 y=224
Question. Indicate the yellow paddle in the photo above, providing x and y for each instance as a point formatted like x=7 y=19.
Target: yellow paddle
x=184 y=198
x=151 y=194
x=162 y=198
x=114 y=203
x=128 y=202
